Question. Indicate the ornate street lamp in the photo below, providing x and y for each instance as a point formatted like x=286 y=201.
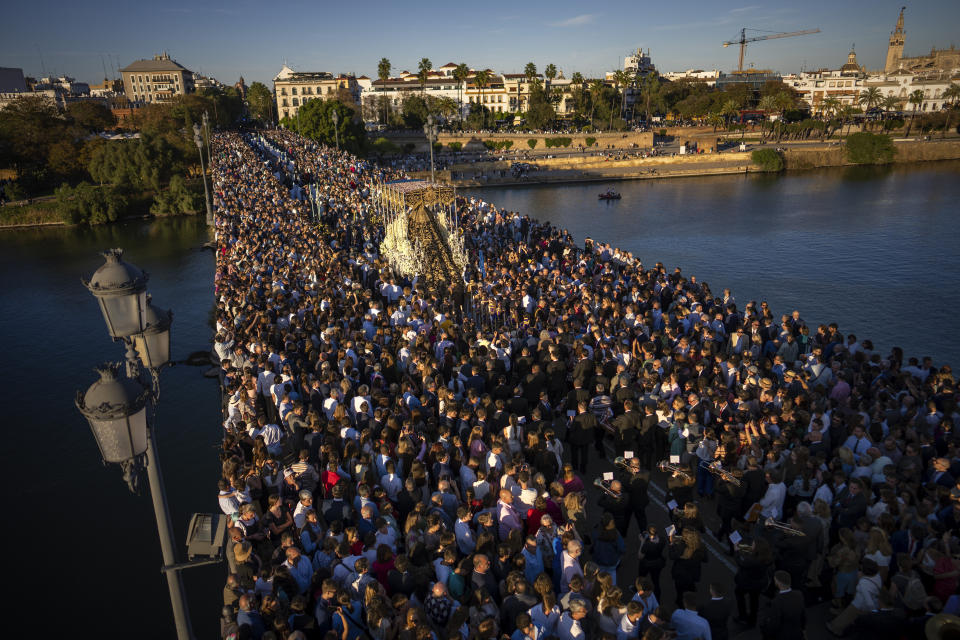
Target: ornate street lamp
x=431 y=130
x=198 y=140
x=153 y=343
x=336 y=127
x=121 y=290
x=116 y=409
x=121 y=412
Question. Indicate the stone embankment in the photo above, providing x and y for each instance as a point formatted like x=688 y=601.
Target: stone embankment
x=594 y=169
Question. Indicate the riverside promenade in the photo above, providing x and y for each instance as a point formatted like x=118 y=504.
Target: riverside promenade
x=398 y=465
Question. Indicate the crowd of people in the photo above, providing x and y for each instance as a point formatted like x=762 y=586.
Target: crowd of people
x=401 y=463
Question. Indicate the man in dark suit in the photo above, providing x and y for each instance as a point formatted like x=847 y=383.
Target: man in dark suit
x=785 y=617
x=628 y=428
x=716 y=611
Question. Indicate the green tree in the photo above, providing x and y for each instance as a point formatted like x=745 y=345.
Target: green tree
x=383 y=74
x=482 y=79
x=768 y=104
x=951 y=95
x=176 y=199
x=578 y=84
x=316 y=122
x=540 y=113
x=729 y=109
x=916 y=99
x=414 y=111
x=870 y=148
x=460 y=75
x=423 y=72
x=550 y=72
x=88 y=204
x=651 y=94
x=529 y=72
x=90 y=116
x=596 y=90
x=891 y=103
x=767 y=159
x=29 y=128
x=870 y=98
x=260 y=101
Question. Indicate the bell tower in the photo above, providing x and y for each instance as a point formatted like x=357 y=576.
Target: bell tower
x=895 y=48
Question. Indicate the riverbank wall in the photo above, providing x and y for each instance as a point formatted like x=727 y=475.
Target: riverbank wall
x=593 y=169
x=816 y=158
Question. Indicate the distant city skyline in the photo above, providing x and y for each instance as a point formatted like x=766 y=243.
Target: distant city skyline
x=227 y=40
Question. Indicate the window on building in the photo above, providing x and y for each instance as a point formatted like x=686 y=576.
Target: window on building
x=285 y=103
x=296 y=102
x=293 y=91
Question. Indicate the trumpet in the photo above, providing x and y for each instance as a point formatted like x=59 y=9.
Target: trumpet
x=600 y=484
x=782 y=526
x=621 y=462
x=715 y=468
x=677 y=470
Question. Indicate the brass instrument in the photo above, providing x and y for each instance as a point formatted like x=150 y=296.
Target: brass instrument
x=784 y=527
x=621 y=462
x=601 y=484
x=675 y=469
x=715 y=468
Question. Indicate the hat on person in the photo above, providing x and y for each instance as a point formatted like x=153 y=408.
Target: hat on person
x=789 y=373
x=766 y=383
x=753 y=369
x=304 y=494
x=242 y=551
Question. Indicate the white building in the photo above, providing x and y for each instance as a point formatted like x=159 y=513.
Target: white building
x=440 y=83
x=844 y=84
x=902 y=83
x=293 y=89
x=708 y=78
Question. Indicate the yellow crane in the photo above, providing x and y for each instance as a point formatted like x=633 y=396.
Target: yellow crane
x=744 y=40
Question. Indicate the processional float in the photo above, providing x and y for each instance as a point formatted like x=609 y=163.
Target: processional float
x=422 y=239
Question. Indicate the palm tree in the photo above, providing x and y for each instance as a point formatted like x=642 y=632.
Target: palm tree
x=951 y=94
x=621 y=78
x=916 y=99
x=530 y=71
x=482 y=79
x=783 y=100
x=596 y=90
x=829 y=107
x=767 y=104
x=423 y=72
x=577 y=81
x=651 y=90
x=870 y=98
x=460 y=74
x=550 y=72
x=716 y=119
x=728 y=109
x=383 y=72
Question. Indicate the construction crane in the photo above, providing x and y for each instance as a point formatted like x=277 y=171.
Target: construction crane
x=744 y=40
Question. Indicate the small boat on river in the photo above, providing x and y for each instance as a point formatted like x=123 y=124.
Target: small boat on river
x=609 y=195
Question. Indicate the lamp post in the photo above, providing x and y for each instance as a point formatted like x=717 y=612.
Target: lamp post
x=203 y=172
x=336 y=127
x=206 y=130
x=121 y=410
x=431 y=130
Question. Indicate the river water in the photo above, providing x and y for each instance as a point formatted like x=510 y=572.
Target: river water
x=874 y=250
